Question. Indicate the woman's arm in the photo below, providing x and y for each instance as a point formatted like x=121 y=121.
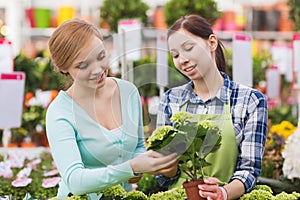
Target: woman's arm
x=253 y=134
x=67 y=158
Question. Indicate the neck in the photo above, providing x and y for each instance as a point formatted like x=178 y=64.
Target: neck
x=77 y=92
x=208 y=86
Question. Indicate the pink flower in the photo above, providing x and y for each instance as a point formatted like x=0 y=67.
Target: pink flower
x=21 y=182
x=34 y=163
x=24 y=173
x=51 y=173
x=5 y=170
x=50 y=182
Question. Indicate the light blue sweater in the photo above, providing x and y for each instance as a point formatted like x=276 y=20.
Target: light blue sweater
x=88 y=156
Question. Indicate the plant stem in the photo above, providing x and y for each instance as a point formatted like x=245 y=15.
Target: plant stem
x=187 y=173
x=202 y=173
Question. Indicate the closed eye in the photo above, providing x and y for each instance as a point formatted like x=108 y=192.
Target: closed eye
x=190 y=48
x=101 y=55
x=174 y=54
x=82 y=65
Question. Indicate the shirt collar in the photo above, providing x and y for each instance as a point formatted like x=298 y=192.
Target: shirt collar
x=223 y=94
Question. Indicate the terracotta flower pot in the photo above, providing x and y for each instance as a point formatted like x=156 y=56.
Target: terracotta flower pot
x=192 y=190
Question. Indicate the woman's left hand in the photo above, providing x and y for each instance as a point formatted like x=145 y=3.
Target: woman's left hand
x=211 y=190
x=135 y=179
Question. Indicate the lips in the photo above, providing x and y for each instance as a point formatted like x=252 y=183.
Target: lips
x=190 y=68
x=98 y=78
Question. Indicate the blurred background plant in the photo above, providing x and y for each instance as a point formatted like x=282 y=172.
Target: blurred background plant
x=175 y=9
x=114 y=10
x=41 y=87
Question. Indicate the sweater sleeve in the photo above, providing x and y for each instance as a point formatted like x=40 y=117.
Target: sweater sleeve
x=78 y=179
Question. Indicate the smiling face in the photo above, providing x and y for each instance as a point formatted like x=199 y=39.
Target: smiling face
x=192 y=55
x=90 y=67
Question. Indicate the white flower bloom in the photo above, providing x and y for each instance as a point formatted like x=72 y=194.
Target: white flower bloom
x=291 y=164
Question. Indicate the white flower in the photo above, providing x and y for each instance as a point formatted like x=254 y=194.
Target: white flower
x=291 y=164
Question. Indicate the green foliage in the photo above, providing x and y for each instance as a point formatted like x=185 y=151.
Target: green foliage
x=116 y=191
x=145 y=76
x=175 y=9
x=114 y=10
x=295 y=13
x=191 y=138
x=260 y=64
x=286 y=196
x=257 y=195
x=39 y=73
x=135 y=195
x=173 y=194
x=264 y=187
x=148 y=184
x=281 y=113
x=264 y=192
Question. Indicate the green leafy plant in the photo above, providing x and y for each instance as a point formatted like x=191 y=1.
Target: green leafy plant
x=207 y=9
x=114 y=192
x=295 y=13
x=147 y=184
x=173 y=194
x=191 y=138
x=135 y=195
x=264 y=192
x=114 y=10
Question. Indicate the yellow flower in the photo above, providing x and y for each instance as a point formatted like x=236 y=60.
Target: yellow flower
x=284 y=129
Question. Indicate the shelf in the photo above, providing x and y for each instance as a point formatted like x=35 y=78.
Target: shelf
x=259 y=35
x=41 y=32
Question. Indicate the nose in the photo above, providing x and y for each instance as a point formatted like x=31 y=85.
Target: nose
x=99 y=66
x=183 y=59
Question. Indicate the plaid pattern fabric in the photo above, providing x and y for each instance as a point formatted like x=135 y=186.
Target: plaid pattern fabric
x=249 y=116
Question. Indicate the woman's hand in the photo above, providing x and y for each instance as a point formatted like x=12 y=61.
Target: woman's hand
x=211 y=190
x=152 y=162
x=169 y=172
x=135 y=179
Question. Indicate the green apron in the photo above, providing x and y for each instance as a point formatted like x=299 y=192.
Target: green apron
x=223 y=161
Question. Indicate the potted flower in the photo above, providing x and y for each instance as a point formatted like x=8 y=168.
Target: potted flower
x=193 y=140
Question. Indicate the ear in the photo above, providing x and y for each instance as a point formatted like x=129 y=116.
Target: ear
x=212 y=42
x=65 y=72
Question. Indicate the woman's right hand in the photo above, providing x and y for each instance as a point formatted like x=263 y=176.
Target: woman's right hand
x=152 y=162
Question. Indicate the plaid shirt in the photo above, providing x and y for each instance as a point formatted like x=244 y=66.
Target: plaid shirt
x=249 y=116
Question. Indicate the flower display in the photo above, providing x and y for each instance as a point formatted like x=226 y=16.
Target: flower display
x=264 y=192
x=284 y=129
x=275 y=143
x=23 y=175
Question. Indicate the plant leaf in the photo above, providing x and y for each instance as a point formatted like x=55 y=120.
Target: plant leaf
x=212 y=142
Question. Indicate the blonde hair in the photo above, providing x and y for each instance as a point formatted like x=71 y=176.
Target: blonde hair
x=67 y=41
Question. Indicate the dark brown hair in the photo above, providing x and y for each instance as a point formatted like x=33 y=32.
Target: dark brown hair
x=200 y=27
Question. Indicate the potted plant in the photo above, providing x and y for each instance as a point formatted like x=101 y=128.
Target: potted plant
x=193 y=140
x=114 y=10
x=207 y=9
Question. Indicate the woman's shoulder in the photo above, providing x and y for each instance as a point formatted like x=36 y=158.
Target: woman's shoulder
x=60 y=104
x=124 y=85
x=248 y=94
